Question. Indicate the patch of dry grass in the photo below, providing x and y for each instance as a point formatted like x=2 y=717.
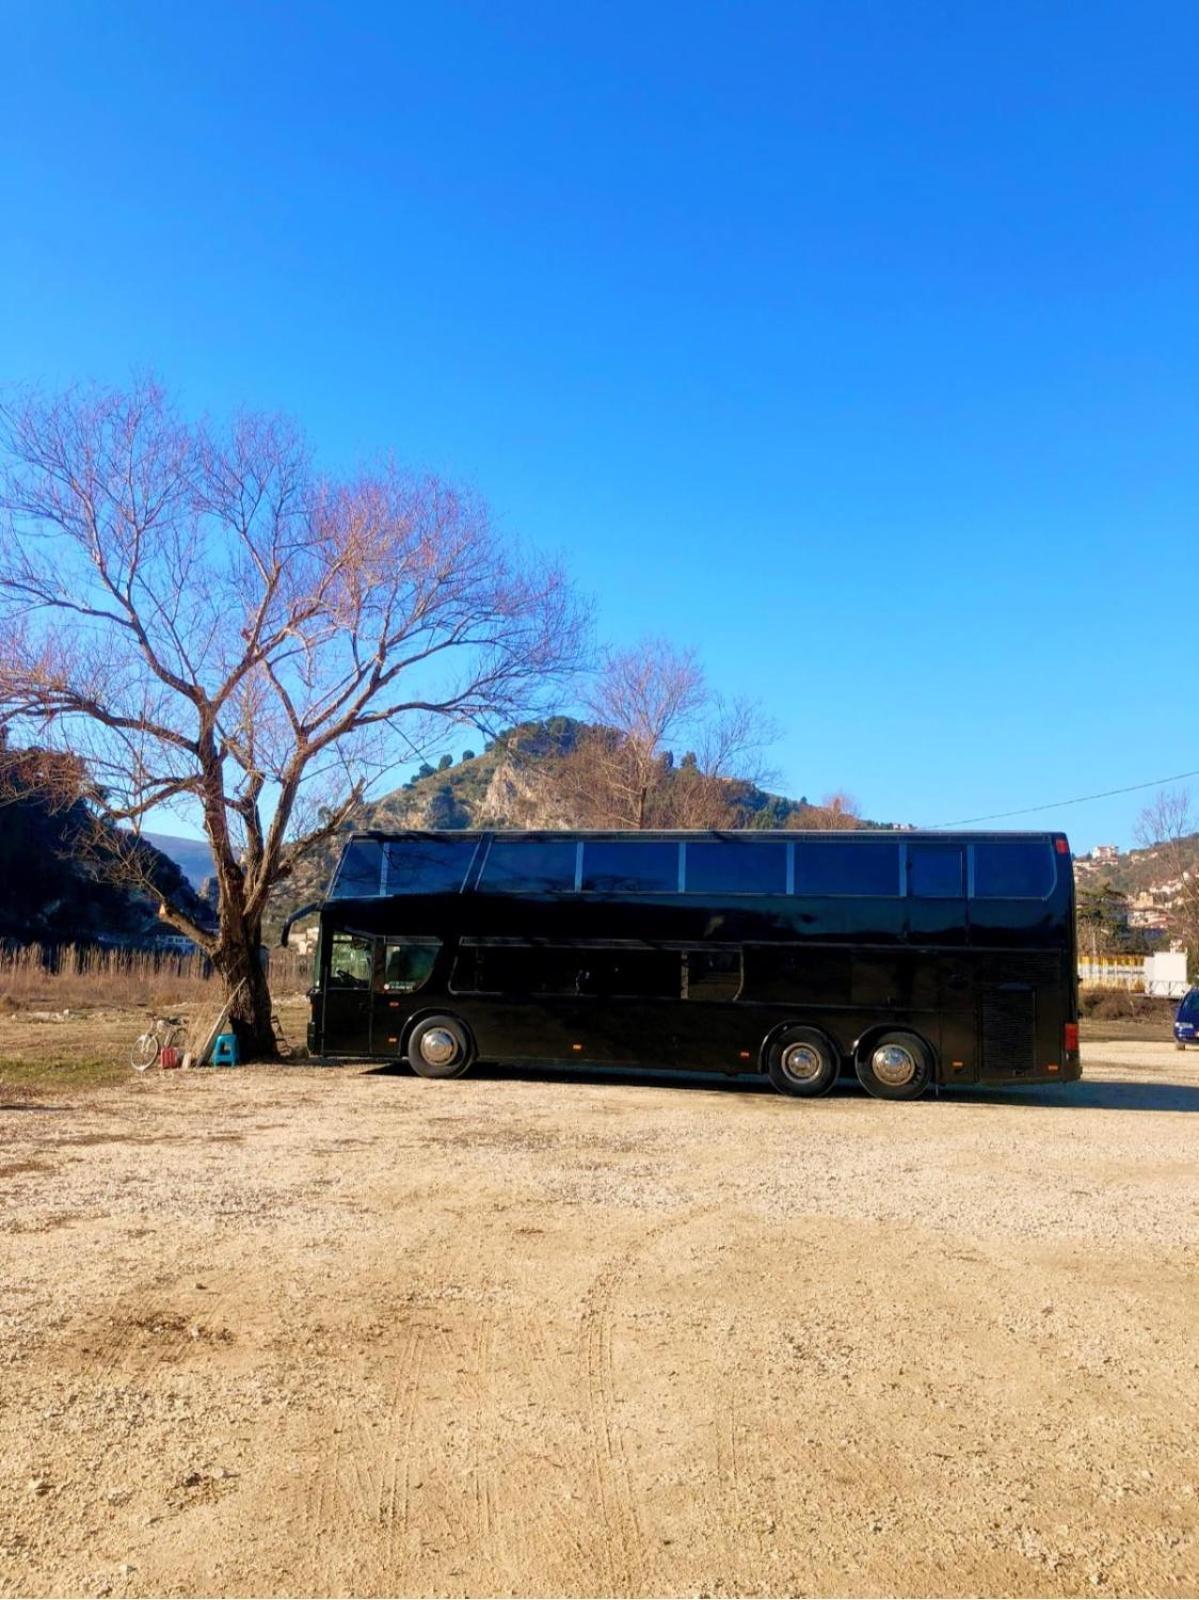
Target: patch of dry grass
x=68 y=1049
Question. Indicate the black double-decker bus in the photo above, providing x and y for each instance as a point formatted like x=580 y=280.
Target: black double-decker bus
x=906 y=958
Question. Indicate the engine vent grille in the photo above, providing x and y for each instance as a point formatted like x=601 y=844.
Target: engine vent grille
x=1009 y=1029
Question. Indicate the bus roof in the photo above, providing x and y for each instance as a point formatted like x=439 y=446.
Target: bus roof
x=942 y=835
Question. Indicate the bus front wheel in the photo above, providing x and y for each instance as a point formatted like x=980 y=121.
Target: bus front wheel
x=895 y=1066
x=802 y=1062
x=439 y=1047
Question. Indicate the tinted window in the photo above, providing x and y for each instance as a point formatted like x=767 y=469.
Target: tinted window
x=530 y=866
x=350 y=961
x=637 y=974
x=727 y=866
x=407 y=966
x=713 y=974
x=1013 y=869
x=1188 y=1011
x=516 y=970
x=360 y=869
x=631 y=866
x=936 y=871
x=839 y=867
x=797 y=974
x=428 y=866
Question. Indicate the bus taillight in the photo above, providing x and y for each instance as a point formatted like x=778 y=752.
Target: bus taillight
x=1070 y=1038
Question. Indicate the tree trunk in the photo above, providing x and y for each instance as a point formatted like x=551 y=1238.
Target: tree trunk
x=248 y=991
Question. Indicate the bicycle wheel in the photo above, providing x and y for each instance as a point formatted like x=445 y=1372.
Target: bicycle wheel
x=145 y=1050
x=176 y=1039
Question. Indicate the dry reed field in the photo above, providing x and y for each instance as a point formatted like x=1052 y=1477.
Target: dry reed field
x=81 y=975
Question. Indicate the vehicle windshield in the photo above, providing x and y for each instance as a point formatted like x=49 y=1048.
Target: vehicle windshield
x=1188 y=1011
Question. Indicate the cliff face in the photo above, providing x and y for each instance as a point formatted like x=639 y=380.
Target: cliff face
x=56 y=885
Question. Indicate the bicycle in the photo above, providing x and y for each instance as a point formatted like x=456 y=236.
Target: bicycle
x=168 y=1033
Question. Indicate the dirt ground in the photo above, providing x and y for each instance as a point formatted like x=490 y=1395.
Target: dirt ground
x=311 y=1330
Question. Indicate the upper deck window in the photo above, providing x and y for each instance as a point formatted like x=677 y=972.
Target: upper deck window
x=1013 y=869
x=936 y=871
x=529 y=866
x=427 y=866
x=844 y=866
x=729 y=866
x=630 y=866
x=360 y=871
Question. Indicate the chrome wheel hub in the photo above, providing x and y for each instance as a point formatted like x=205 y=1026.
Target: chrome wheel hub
x=893 y=1065
x=438 y=1047
x=802 y=1063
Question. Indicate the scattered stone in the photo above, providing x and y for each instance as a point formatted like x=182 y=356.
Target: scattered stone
x=39 y=1486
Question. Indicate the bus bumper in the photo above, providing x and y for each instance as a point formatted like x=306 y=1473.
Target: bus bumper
x=1069 y=1071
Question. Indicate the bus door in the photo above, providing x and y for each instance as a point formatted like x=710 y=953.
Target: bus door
x=349 y=975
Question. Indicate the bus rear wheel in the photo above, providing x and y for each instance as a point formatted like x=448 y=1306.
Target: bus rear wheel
x=895 y=1066
x=802 y=1062
x=439 y=1047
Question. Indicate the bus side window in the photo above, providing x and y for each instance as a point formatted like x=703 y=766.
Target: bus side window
x=406 y=967
x=712 y=975
x=1013 y=869
x=631 y=974
x=936 y=871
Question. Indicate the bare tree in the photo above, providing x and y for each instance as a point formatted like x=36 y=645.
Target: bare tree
x=839 y=810
x=622 y=772
x=1168 y=826
x=207 y=623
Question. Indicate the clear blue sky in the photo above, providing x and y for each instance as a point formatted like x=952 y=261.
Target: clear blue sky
x=853 y=342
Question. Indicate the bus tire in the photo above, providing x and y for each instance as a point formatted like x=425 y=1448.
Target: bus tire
x=439 y=1047
x=802 y=1062
x=895 y=1066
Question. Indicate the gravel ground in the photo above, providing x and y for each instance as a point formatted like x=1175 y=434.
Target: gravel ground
x=307 y=1330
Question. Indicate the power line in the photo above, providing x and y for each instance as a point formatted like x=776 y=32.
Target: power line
x=1078 y=800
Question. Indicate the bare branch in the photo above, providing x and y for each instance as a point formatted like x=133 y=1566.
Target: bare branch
x=195 y=613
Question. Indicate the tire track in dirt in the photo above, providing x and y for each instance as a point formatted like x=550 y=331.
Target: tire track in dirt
x=624 y=1553
x=728 y=1471
x=395 y=1495
x=375 y=1482
x=745 y=1514
x=149 y=1329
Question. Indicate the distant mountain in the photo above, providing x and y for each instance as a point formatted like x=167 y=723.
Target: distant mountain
x=192 y=856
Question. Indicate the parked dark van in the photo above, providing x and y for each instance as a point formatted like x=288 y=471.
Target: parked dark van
x=1186 y=1020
